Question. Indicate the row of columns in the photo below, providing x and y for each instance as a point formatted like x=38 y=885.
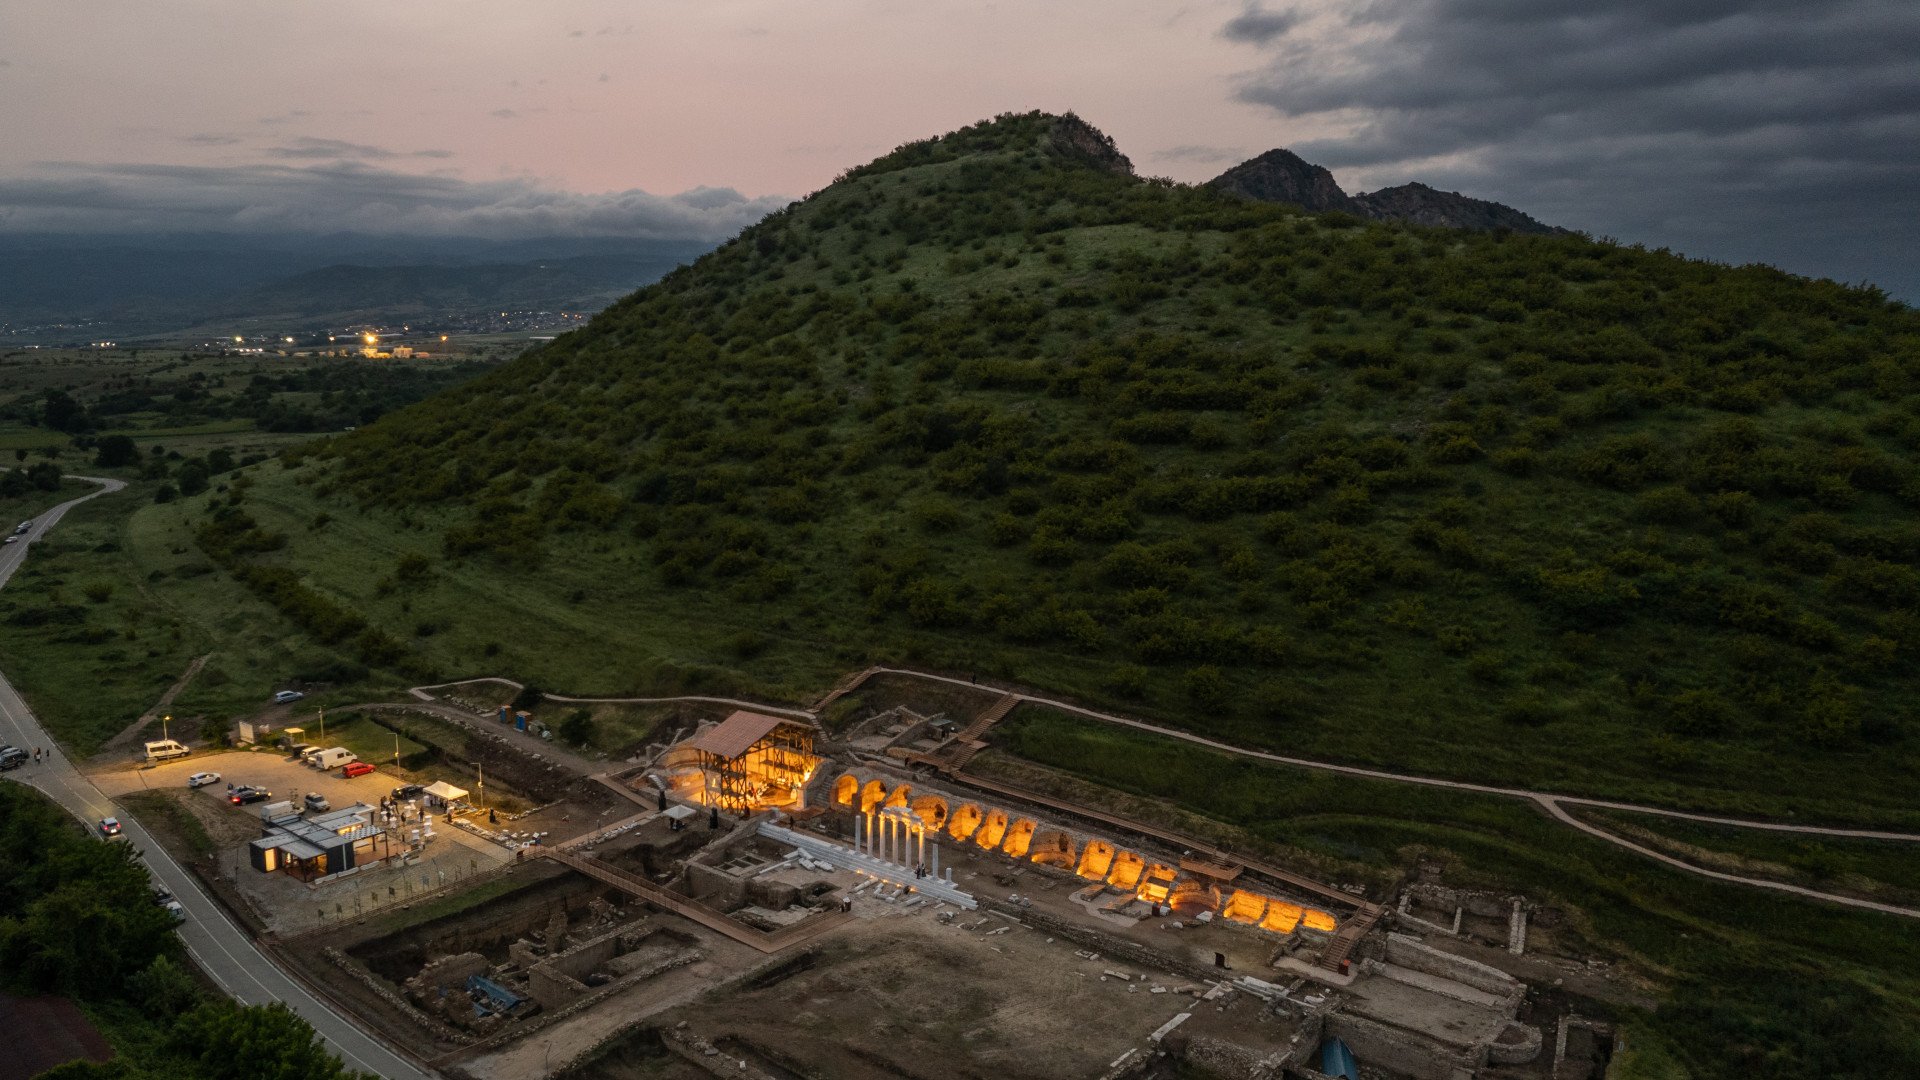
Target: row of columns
x=895 y=835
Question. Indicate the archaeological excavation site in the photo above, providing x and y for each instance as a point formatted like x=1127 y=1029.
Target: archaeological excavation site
x=782 y=900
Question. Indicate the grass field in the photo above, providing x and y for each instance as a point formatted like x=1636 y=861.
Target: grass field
x=1881 y=869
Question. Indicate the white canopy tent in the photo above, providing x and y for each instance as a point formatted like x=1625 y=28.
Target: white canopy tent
x=445 y=793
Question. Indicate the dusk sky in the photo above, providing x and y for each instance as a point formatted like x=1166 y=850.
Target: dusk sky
x=1770 y=130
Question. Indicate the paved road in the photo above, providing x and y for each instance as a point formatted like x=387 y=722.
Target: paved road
x=222 y=949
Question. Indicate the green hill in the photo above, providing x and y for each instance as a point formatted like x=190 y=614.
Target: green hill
x=1536 y=509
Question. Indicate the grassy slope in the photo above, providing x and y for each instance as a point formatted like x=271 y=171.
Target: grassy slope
x=90 y=677
x=1768 y=986
x=923 y=415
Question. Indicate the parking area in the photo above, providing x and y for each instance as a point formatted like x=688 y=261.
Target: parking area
x=288 y=904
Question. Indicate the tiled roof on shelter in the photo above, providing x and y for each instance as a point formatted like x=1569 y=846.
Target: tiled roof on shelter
x=736 y=734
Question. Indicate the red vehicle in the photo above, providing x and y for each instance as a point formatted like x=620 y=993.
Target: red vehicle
x=355 y=768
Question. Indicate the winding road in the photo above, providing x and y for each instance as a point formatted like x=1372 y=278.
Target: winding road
x=222 y=949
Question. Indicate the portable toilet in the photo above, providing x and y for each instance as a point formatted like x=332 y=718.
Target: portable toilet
x=506 y=714
x=520 y=720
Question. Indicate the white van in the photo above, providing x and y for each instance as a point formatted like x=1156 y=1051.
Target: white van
x=332 y=759
x=166 y=750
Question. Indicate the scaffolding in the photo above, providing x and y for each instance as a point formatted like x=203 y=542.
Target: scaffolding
x=751 y=762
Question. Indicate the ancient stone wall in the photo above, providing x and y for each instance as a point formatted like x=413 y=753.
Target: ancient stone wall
x=716 y=888
x=1408 y=952
x=1401 y=1051
x=1104 y=943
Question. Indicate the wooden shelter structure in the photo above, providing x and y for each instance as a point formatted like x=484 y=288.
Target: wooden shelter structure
x=750 y=761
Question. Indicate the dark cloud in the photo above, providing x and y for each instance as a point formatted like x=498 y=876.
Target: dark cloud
x=503 y=114
x=1742 y=130
x=354 y=197
x=1258 y=26
x=211 y=139
x=311 y=149
x=1201 y=155
x=287 y=117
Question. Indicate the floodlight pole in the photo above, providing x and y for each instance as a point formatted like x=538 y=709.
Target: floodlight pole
x=323 y=726
x=481 y=771
x=164 y=720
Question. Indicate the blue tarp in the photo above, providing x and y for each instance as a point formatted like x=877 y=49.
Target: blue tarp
x=1337 y=1060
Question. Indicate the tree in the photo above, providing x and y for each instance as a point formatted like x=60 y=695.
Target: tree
x=61 y=413
x=192 y=476
x=257 y=1042
x=116 y=451
x=45 y=476
x=577 y=728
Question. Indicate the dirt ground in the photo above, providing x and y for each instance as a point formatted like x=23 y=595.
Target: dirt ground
x=43 y=1032
x=902 y=994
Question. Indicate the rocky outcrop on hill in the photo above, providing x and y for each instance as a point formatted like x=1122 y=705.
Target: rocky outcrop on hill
x=1422 y=205
x=1283 y=176
x=1074 y=137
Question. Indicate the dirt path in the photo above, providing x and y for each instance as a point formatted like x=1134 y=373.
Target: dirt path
x=782 y=710
x=166 y=702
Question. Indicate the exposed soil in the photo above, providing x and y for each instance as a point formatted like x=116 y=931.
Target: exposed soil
x=43 y=1032
x=906 y=996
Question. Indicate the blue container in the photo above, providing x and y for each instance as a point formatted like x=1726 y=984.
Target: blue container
x=520 y=721
x=504 y=717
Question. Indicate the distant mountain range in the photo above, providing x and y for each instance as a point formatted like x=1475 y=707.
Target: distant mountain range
x=71 y=287
x=1283 y=176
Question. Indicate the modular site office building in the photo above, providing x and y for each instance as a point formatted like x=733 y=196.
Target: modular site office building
x=315 y=847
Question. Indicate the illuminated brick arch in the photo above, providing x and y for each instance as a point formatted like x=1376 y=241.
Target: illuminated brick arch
x=1019 y=838
x=1052 y=847
x=932 y=810
x=846 y=789
x=872 y=795
x=966 y=819
x=1095 y=861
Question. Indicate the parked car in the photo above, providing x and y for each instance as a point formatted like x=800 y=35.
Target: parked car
x=23 y=527
x=243 y=795
x=109 y=827
x=317 y=802
x=202 y=779
x=12 y=757
x=10 y=540
x=285 y=696
x=332 y=758
x=407 y=791
x=165 y=899
x=166 y=750
x=299 y=751
x=355 y=768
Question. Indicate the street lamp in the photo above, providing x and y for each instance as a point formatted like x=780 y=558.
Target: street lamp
x=480 y=771
x=164 y=721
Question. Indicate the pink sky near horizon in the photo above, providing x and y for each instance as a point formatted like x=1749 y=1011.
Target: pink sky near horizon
x=597 y=95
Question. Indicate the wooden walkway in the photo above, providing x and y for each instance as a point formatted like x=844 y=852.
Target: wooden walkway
x=709 y=917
